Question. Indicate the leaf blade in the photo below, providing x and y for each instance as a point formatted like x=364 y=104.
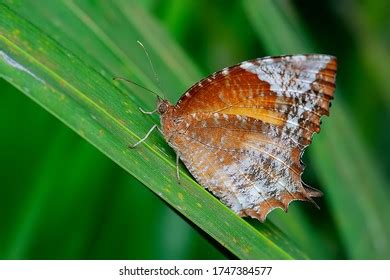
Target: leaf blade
x=82 y=98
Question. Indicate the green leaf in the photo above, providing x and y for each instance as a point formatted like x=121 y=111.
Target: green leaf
x=76 y=88
x=352 y=183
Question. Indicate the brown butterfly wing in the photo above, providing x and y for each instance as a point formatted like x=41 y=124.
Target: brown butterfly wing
x=243 y=130
x=294 y=91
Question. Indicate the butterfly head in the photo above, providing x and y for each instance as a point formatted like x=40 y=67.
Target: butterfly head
x=171 y=123
x=163 y=106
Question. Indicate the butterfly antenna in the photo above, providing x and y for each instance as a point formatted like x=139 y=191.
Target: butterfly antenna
x=134 y=83
x=152 y=67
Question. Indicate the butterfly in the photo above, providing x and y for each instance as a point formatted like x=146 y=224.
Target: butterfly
x=241 y=131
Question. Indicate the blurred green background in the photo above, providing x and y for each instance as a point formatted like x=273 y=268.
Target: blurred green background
x=60 y=198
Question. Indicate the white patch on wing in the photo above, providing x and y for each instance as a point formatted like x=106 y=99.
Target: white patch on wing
x=290 y=76
x=248 y=66
x=295 y=73
x=225 y=71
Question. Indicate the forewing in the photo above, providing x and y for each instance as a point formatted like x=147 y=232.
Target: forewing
x=287 y=91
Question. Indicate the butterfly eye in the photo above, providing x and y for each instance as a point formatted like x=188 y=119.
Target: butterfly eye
x=162 y=108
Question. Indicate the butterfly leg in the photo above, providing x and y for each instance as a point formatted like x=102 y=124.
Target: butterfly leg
x=144 y=138
x=146 y=112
